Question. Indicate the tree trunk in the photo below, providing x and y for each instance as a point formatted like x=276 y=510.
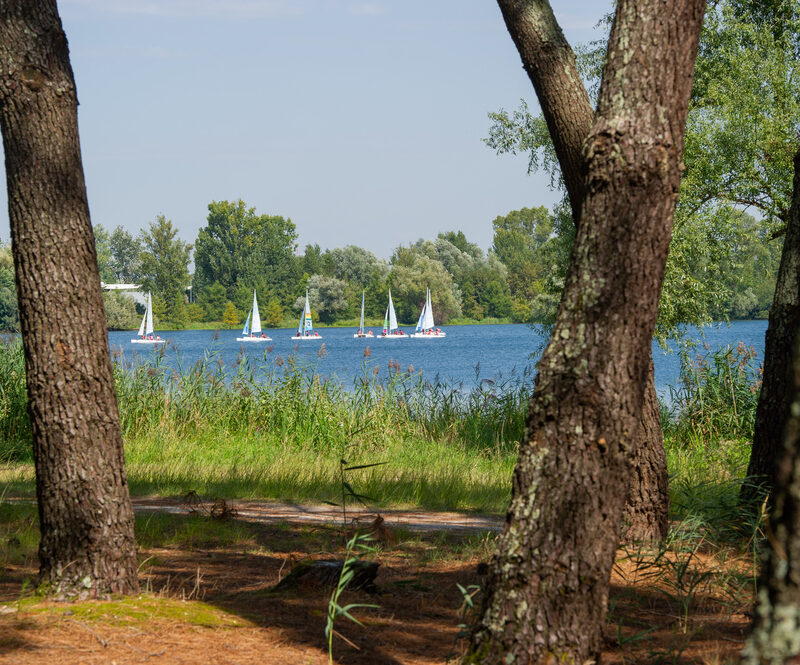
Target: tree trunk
x=547 y=591
x=87 y=547
x=776 y=389
x=646 y=514
x=775 y=636
x=550 y=63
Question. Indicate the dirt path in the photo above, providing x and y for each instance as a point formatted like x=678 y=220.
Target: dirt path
x=265 y=512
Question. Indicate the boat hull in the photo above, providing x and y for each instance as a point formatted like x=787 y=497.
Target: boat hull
x=426 y=336
x=306 y=338
x=254 y=339
x=394 y=336
x=357 y=336
x=148 y=341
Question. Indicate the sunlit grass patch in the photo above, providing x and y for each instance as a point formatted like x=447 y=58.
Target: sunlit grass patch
x=141 y=609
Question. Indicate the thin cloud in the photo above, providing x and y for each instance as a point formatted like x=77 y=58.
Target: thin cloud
x=367 y=9
x=196 y=8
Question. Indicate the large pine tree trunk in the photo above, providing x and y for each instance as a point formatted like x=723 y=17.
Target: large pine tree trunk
x=546 y=596
x=550 y=63
x=776 y=389
x=87 y=547
x=775 y=636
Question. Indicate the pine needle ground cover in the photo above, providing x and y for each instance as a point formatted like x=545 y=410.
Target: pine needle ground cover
x=208 y=595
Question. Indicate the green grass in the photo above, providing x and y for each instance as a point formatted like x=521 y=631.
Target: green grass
x=274 y=430
x=143 y=609
x=422 y=473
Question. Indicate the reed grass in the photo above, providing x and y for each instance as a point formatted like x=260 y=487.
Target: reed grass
x=716 y=396
x=272 y=428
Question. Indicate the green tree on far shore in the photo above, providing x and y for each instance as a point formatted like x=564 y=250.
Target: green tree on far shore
x=230 y=317
x=239 y=248
x=212 y=299
x=9 y=314
x=164 y=266
x=273 y=314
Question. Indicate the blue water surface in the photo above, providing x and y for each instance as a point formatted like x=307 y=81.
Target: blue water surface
x=467 y=354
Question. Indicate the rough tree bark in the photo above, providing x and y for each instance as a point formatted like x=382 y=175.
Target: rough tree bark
x=546 y=596
x=782 y=330
x=646 y=513
x=775 y=636
x=87 y=547
x=550 y=63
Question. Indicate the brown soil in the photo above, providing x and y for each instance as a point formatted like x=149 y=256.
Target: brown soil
x=416 y=622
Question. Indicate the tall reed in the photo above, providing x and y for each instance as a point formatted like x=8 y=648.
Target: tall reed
x=716 y=396
x=15 y=428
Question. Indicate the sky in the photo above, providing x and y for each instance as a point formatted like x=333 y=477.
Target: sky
x=361 y=121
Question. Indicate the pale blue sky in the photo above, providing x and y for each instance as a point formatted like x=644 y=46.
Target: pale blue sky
x=360 y=121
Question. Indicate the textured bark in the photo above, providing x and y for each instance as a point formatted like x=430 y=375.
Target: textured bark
x=776 y=389
x=546 y=595
x=550 y=63
x=87 y=547
x=775 y=636
x=646 y=514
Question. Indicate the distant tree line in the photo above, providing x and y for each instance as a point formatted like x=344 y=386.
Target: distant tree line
x=519 y=279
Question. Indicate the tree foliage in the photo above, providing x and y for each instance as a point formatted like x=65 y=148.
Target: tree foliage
x=328 y=295
x=120 y=311
x=213 y=299
x=241 y=249
x=742 y=132
x=413 y=272
x=230 y=317
x=164 y=266
x=9 y=314
x=125 y=255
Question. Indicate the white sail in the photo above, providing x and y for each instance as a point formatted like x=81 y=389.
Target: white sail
x=427 y=320
x=149 y=315
x=392 y=315
x=255 y=325
x=246 y=329
x=144 y=320
x=307 y=325
x=145 y=333
x=420 y=319
x=361 y=322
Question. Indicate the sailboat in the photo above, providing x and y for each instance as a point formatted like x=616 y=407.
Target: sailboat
x=360 y=332
x=306 y=329
x=252 y=326
x=426 y=328
x=145 y=334
x=390 y=329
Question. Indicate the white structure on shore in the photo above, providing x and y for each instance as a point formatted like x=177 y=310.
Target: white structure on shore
x=132 y=290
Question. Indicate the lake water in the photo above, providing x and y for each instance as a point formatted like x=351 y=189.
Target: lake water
x=467 y=351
